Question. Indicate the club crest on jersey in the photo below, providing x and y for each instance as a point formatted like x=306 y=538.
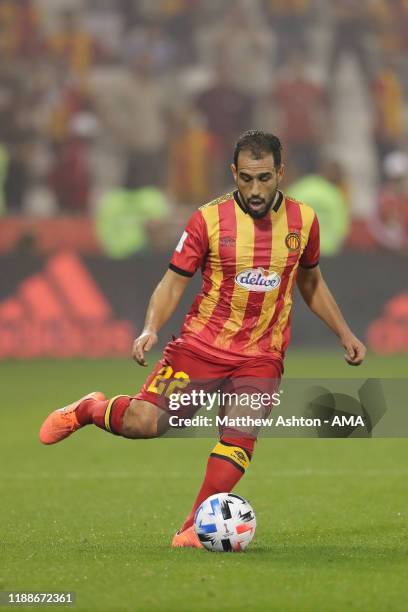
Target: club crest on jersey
x=258 y=279
x=292 y=241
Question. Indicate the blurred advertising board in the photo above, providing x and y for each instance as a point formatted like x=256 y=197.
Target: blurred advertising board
x=67 y=305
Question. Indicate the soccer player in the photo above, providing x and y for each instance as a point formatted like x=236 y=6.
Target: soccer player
x=251 y=245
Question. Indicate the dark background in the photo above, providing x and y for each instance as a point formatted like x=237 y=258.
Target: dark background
x=362 y=284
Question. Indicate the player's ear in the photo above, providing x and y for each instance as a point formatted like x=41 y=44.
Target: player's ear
x=281 y=172
x=234 y=172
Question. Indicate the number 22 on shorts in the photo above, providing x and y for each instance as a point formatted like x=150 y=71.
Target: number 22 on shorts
x=168 y=382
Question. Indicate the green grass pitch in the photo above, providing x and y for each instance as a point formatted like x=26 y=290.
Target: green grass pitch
x=96 y=513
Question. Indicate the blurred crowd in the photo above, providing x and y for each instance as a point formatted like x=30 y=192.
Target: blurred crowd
x=112 y=96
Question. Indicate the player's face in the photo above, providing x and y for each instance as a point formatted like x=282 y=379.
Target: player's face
x=257 y=181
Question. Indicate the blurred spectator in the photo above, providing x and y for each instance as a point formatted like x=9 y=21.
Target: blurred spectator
x=132 y=106
x=126 y=217
x=391 y=23
x=180 y=18
x=390 y=223
x=301 y=103
x=3 y=170
x=8 y=118
x=389 y=109
x=73 y=44
x=193 y=159
x=70 y=177
x=351 y=27
x=20 y=34
x=62 y=100
x=17 y=136
x=333 y=171
x=243 y=43
x=18 y=178
x=289 y=19
x=227 y=113
x=130 y=11
x=150 y=39
x=328 y=201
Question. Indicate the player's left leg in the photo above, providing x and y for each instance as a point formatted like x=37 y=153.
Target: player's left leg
x=232 y=455
x=226 y=465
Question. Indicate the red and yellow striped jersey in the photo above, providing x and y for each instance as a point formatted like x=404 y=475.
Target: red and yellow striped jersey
x=249 y=267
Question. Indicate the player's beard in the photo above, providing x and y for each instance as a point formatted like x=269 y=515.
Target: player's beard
x=263 y=210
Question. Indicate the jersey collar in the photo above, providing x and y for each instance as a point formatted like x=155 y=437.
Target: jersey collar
x=275 y=207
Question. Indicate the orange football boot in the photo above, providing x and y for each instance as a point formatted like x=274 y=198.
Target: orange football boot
x=186 y=538
x=63 y=422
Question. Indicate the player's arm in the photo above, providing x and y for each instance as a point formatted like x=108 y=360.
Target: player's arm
x=317 y=296
x=188 y=256
x=162 y=305
x=321 y=302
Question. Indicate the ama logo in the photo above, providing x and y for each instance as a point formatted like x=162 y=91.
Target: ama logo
x=258 y=279
x=60 y=312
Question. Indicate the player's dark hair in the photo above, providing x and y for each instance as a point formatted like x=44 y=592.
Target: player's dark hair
x=259 y=143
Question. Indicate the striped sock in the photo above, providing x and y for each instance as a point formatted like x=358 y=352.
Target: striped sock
x=105 y=414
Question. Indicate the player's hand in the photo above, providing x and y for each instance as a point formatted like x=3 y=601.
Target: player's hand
x=355 y=350
x=142 y=344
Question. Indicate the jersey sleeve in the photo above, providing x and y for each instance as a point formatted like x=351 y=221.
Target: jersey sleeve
x=192 y=247
x=311 y=255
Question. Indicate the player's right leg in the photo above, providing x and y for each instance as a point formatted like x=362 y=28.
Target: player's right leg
x=143 y=416
x=122 y=415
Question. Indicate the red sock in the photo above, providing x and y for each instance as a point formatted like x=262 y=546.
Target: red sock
x=106 y=414
x=226 y=466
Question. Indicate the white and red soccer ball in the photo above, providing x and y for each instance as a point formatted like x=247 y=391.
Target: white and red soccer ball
x=225 y=522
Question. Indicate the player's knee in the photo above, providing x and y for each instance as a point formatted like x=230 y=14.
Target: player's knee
x=139 y=422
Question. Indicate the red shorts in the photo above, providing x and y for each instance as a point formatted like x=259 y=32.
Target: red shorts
x=183 y=369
